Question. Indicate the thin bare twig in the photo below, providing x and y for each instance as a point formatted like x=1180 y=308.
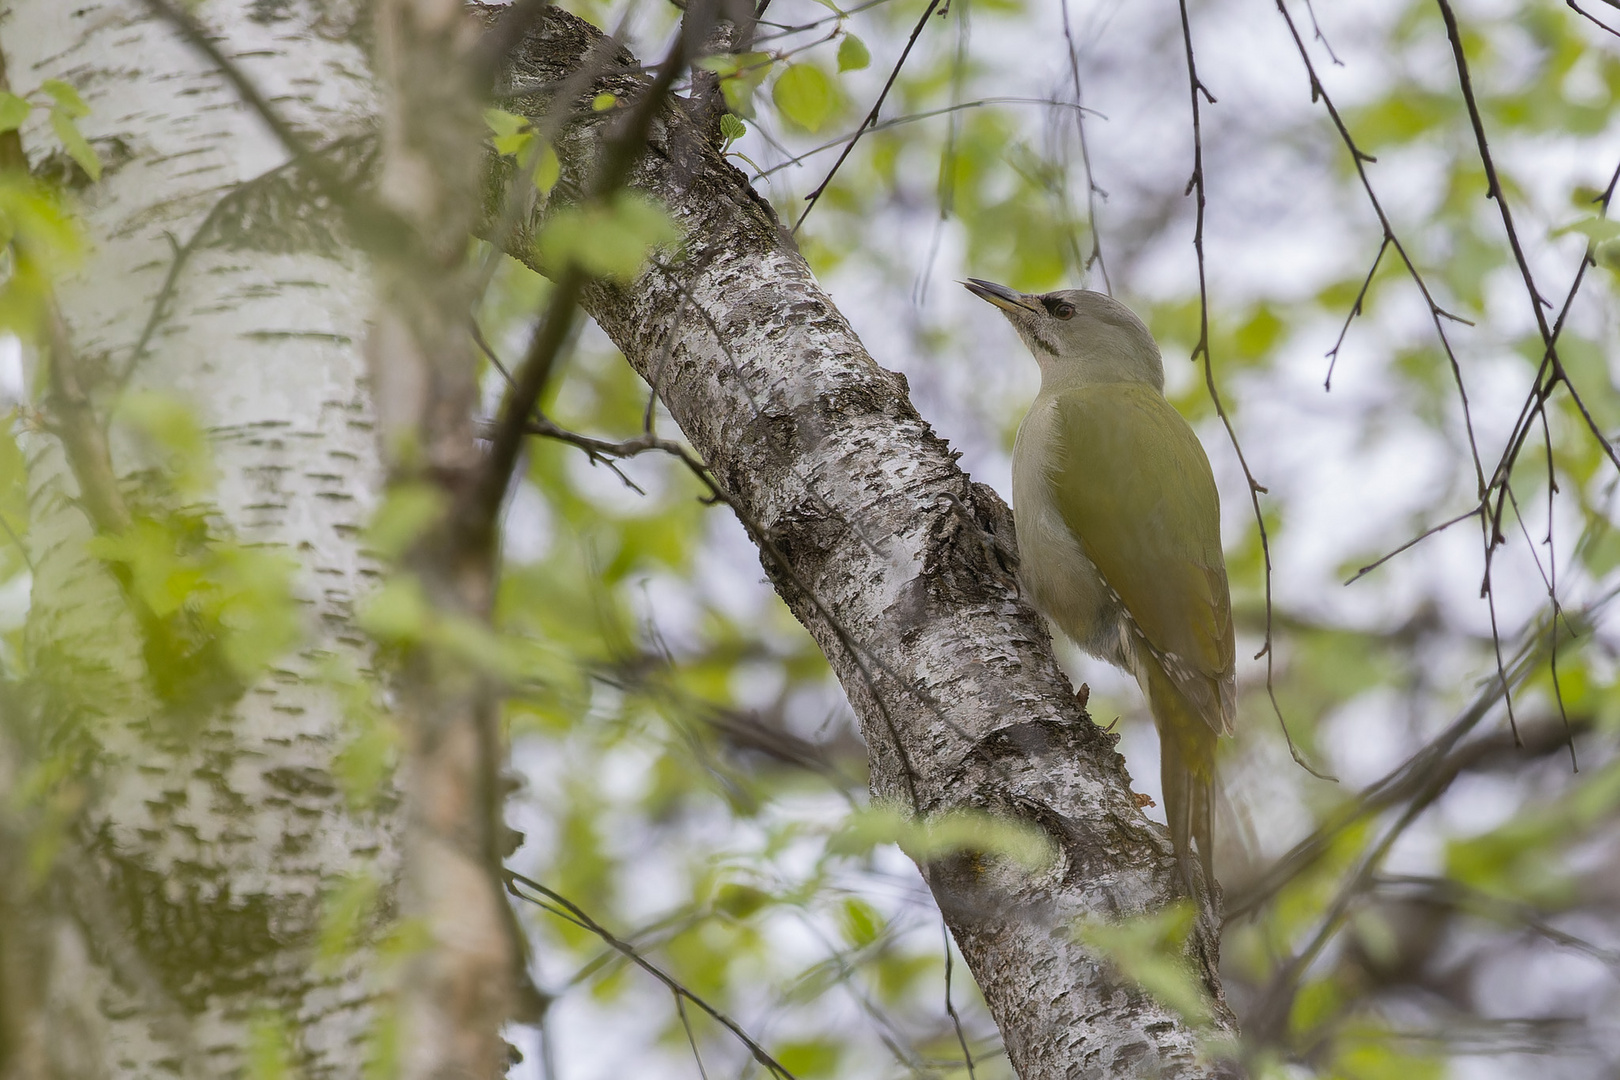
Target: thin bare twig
x=1092 y=189
x=1277 y=1000
x=950 y=1008
x=1454 y=894
x=785 y=30
x=1195 y=185
x=1419 y=538
x=1552 y=595
x=1538 y=303
x=1593 y=19
x=534 y=371
x=864 y=658
x=1359 y=159
x=1269 y=1017
x=871 y=117
x=1490 y=525
x=565 y=908
x=691 y=1036
x=948 y=158
x=74 y=422
x=1355 y=309
x=1445 y=755
x=1316 y=33
x=912 y=118
x=1551 y=363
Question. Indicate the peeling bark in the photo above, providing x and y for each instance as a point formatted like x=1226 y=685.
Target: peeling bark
x=896 y=562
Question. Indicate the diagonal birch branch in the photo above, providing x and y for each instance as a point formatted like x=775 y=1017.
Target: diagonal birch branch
x=895 y=561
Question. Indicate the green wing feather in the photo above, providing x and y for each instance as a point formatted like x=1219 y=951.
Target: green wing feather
x=1134 y=486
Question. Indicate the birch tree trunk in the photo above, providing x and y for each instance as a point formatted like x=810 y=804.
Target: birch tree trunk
x=183 y=915
x=899 y=565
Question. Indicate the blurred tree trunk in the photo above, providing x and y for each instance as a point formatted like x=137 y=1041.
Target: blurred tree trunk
x=899 y=566
x=179 y=925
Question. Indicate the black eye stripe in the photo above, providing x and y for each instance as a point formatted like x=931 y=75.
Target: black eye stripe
x=1060 y=309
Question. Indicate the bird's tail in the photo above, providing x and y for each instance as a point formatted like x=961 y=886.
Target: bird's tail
x=1187 y=771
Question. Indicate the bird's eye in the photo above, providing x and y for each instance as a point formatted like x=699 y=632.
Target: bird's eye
x=1063 y=310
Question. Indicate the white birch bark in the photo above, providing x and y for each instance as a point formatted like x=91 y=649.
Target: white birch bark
x=192 y=883
x=896 y=563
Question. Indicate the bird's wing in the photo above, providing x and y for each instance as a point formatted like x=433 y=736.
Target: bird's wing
x=1132 y=483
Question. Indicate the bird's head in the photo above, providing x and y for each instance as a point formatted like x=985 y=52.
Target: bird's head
x=1078 y=335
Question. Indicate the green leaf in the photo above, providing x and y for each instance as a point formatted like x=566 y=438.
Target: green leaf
x=398 y=613
x=160 y=577
x=500 y=122
x=862 y=923
x=951 y=833
x=269 y=1049
x=1260 y=333
x=548 y=169
x=250 y=594
x=407 y=512
x=740 y=901
x=384 y=1047
x=740 y=75
x=169 y=424
x=609 y=241
x=45 y=243
x=1149 y=950
x=1608 y=256
x=1596 y=229
x=514 y=145
x=232 y=603
x=67 y=98
x=603 y=102
x=13 y=111
x=732 y=128
x=366 y=762
x=810 y=1057
x=1318 y=1001
x=13 y=503
x=74 y=142
x=853 y=54
x=344 y=917
x=806 y=95
x=511 y=133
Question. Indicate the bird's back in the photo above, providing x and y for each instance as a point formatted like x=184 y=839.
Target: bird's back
x=1111 y=473
x=1119 y=536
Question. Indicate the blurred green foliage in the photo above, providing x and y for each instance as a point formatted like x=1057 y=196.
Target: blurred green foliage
x=693 y=778
x=1010 y=197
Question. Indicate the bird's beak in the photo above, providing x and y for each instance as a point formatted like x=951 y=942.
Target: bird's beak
x=1001 y=296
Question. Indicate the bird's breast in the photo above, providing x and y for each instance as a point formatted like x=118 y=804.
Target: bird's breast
x=1057 y=577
